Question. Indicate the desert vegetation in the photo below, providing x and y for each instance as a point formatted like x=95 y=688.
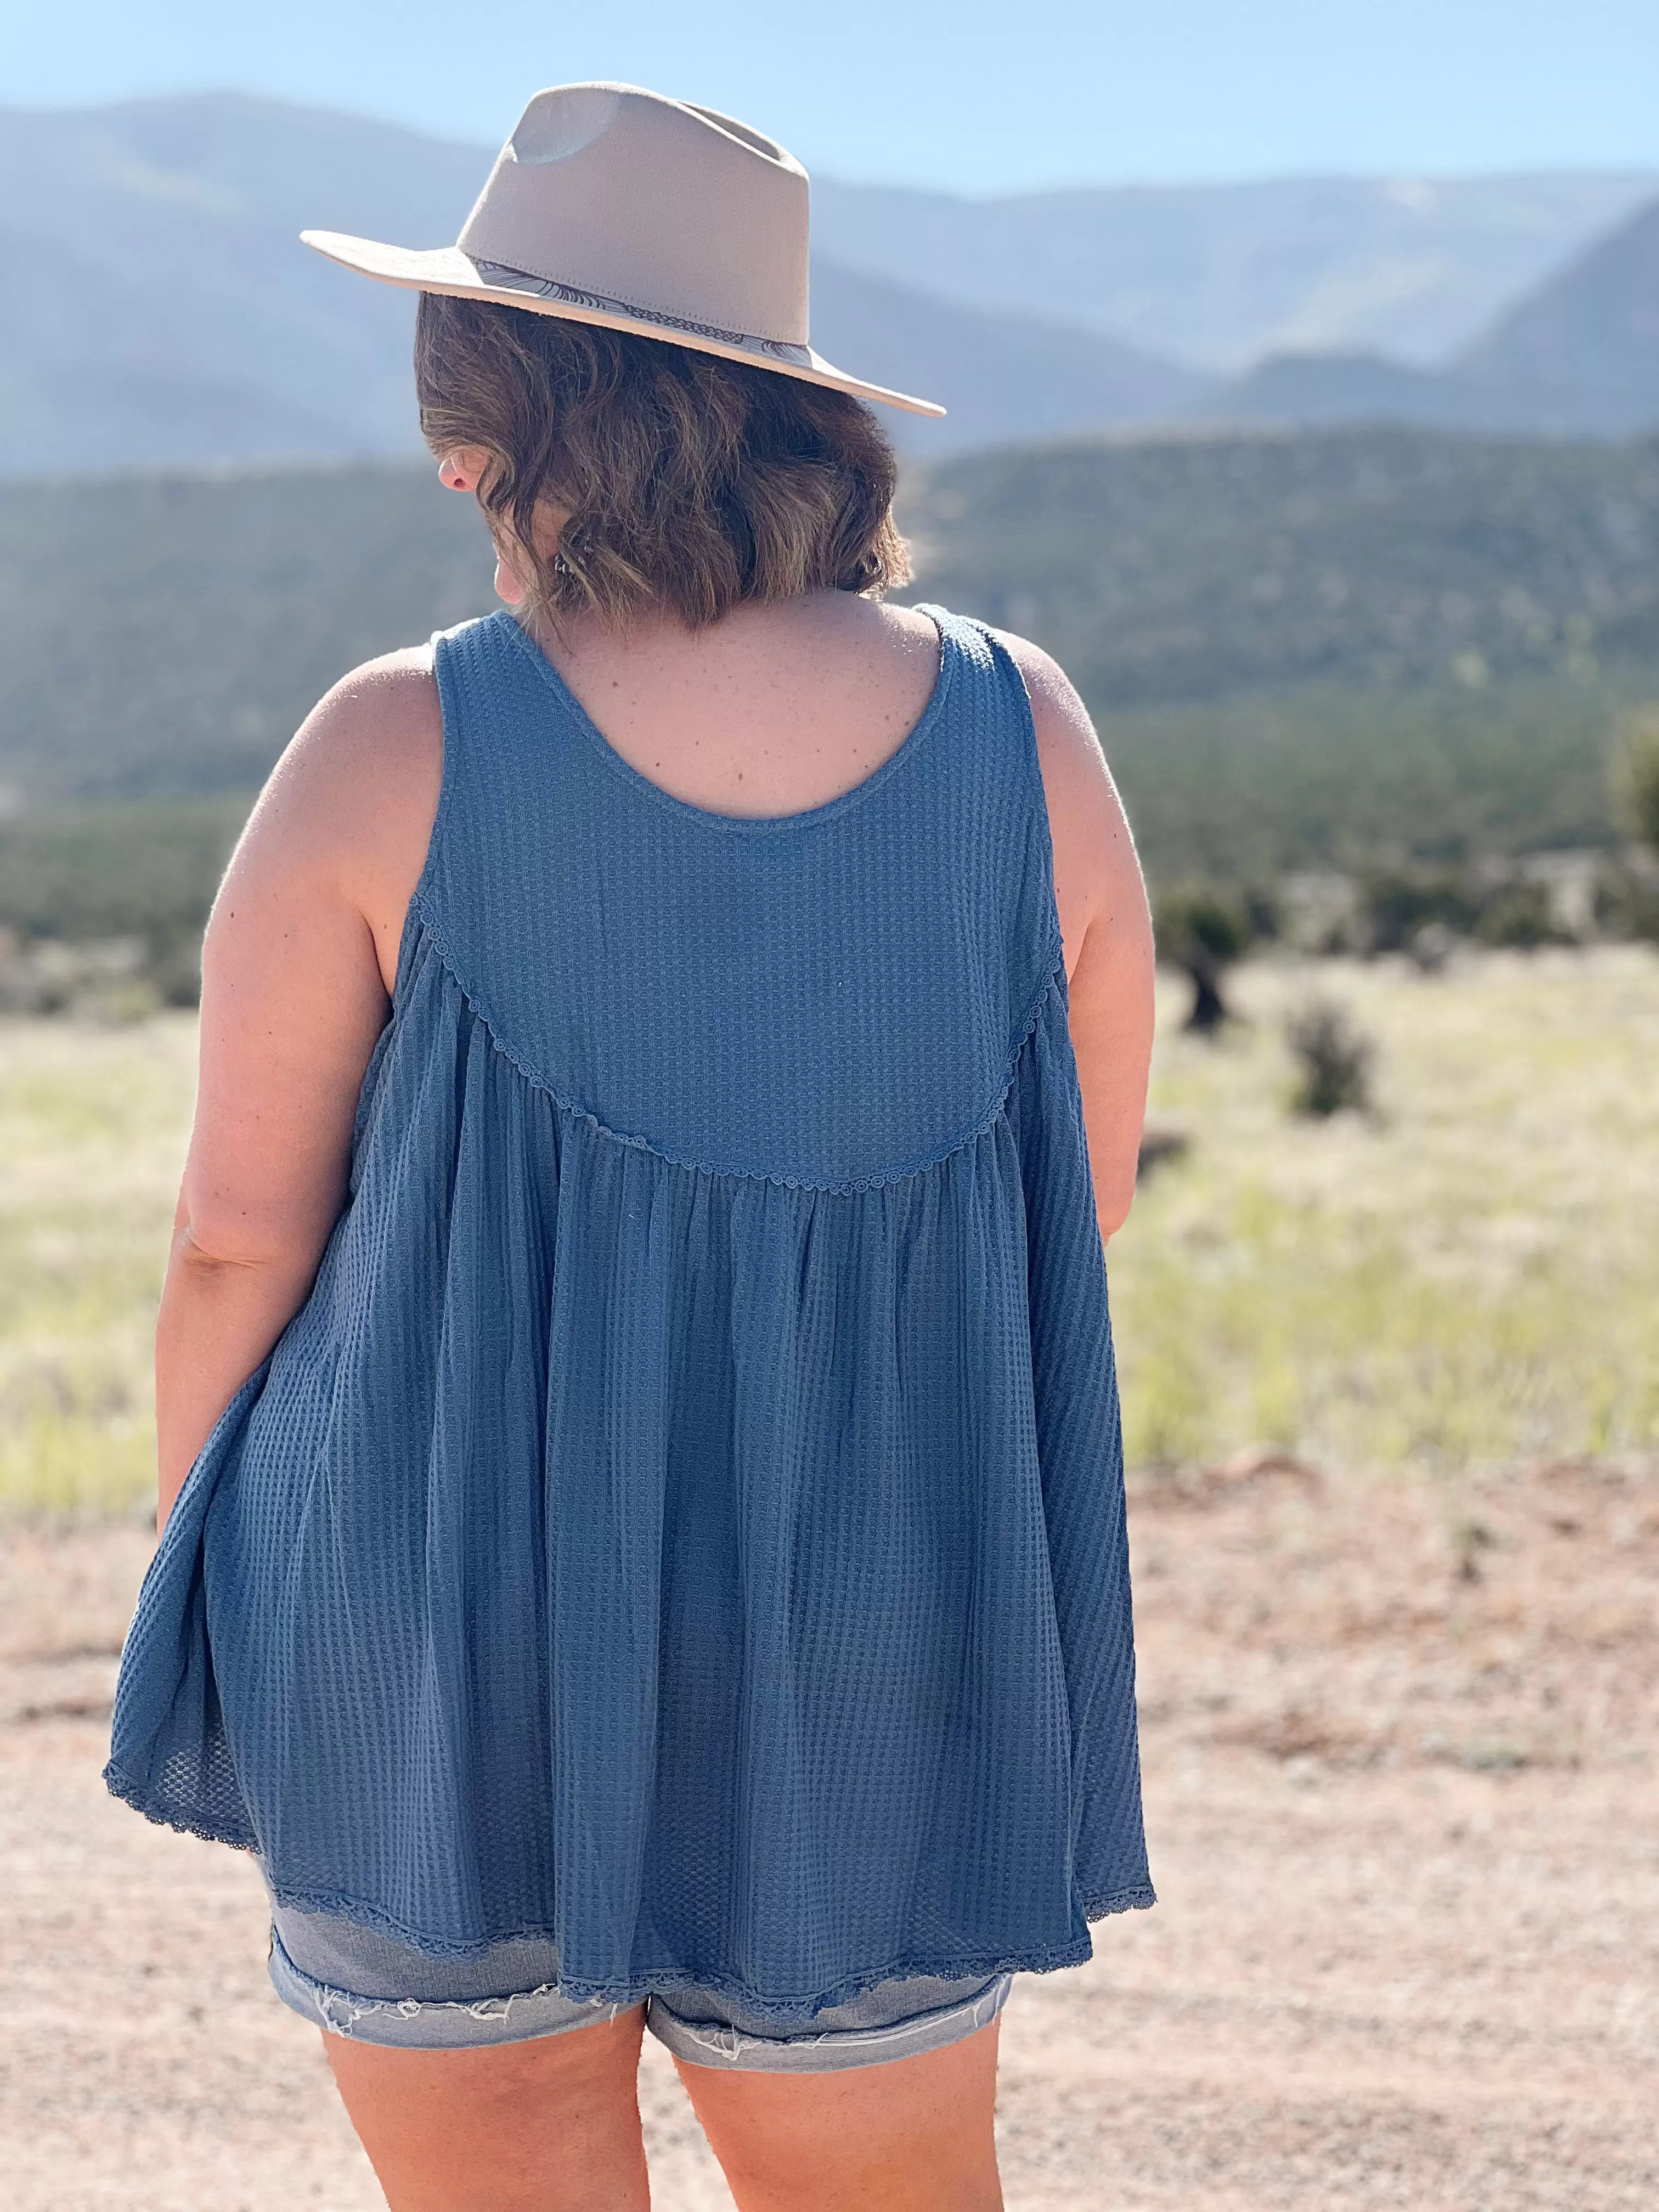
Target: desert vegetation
x=1460 y=1275
x=1301 y=650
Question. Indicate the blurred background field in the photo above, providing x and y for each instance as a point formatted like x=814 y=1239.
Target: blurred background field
x=1456 y=1274
x=94 y=1118
x=1460 y=1275
x=1302 y=378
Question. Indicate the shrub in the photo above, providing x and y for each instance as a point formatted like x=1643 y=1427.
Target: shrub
x=1335 y=1062
x=1628 y=903
x=1159 y=1143
x=1397 y=903
x=1519 y=914
x=1421 y=910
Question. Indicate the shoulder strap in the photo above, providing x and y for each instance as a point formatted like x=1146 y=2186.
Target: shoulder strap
x=992 y=716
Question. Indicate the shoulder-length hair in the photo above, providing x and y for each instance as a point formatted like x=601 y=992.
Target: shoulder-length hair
x=685 y=483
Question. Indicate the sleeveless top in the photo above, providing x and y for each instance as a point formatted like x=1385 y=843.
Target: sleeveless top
x=685 y=1520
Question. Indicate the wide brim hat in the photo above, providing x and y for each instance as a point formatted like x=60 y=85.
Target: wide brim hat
x=618 y=207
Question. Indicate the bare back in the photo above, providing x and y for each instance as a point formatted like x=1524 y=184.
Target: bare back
x=770 y=711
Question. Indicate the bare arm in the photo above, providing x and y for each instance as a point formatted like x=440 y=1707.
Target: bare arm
x=296 y=968
x=1107 y=927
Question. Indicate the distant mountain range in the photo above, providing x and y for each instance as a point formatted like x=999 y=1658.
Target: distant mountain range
x=156 y=307
x=155 y=304
x=1219 y=275
x=1583 y=349
x=1579 y=355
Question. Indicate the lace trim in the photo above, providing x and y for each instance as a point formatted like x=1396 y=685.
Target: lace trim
x=1052 y=975
x=166 y=1811
x=1140 y=1898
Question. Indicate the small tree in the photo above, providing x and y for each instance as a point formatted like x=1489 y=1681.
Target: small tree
x=1636 y=774
x=1627 y=895
x=1204 y=931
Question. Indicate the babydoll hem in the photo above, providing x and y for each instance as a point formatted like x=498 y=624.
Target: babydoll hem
x=1141 y=1898
x=166 y=1813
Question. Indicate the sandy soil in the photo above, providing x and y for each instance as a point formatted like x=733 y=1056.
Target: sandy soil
x=1401 y=1792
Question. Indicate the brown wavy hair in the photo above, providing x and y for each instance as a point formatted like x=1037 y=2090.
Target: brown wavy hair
x=689 y=483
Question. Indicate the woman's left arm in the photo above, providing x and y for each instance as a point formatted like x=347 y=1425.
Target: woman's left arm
x=1103 y=918
x=297 y=966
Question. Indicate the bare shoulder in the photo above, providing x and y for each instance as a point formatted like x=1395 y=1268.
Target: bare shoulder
x=884 y=637
x=1067 y=741
x=382 y=720
x=340 y=834
x=1097 y=873
x=357 y=786
x=905 y=628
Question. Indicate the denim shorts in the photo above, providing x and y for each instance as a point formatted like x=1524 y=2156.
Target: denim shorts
x=355 y=1982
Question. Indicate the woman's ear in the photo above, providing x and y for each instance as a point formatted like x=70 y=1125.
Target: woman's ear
x=462 y=468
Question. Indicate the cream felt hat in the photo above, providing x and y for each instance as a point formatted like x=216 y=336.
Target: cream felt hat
x=615 y=206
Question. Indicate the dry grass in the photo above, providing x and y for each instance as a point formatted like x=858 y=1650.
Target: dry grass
x=1464 y=1278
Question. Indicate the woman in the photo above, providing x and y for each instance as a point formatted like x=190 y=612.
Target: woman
x=642 y=1502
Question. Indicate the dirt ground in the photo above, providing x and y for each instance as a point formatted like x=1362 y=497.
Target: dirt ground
x=1400 y=1777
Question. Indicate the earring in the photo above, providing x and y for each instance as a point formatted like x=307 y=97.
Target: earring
x=561 y=566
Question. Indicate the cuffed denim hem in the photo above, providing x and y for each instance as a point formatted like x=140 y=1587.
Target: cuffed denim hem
x=895 y=2019
x=816 y=2049
x=427 y=2023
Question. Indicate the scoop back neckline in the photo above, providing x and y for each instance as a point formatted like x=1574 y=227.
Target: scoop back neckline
x=748 y=824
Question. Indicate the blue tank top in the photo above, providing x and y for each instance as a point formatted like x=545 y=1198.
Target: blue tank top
x=685 y=1520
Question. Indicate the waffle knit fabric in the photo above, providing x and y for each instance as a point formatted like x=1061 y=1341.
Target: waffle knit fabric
x=685 y=1520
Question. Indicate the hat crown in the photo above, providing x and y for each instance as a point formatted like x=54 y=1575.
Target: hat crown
x=672 y=209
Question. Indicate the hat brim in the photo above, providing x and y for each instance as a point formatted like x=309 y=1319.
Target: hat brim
x=446 y=269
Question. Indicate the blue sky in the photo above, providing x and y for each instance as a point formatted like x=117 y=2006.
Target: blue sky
x=972 y=96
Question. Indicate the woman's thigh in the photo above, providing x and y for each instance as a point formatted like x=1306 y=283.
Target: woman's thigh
x=552 y=2124
x=914 y=2135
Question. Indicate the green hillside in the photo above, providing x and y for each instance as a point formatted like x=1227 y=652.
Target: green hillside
x=1200 y=568
x=1324 y=648
x=165 y=635
x=1328 y=776
x=1298 y=650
